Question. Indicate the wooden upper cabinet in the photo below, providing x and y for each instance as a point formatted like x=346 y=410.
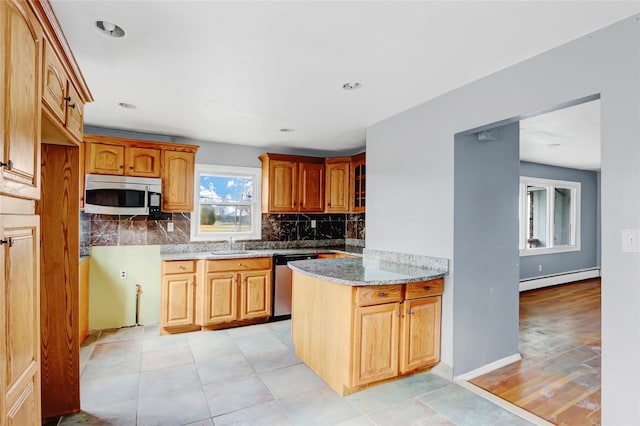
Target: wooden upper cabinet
x=54 y=80
x=144 y=162
x=74 y=120
x=177 y=173
x=337 y=188
x=62 y=103
x=311 y=187
x=104 y=159
x=358 y=183
x=292 y=183
x=283 y=191
x=20 y=100
x=122 y=160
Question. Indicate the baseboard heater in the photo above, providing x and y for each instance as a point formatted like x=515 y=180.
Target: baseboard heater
x=563 y=278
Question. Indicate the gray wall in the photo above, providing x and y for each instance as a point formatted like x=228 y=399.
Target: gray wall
x=222 y=154
x=410 y=162
x=485 y=242
x=588 y=256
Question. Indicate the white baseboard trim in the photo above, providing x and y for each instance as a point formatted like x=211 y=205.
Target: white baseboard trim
x=488 y=367
x=532 y=284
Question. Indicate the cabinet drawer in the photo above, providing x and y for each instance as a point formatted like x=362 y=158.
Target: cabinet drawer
x=375 y=295
x=424 y=288
x=178 y=266
x=239 y=264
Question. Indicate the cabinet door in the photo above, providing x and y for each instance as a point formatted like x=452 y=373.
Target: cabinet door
x=54 y=81
x=283 y=178
x=75 y=114
x=143 y=162
x=311 y=189
x=104 y=159
x=20 y=100
x=420 y=343
x=220 y=298
x=178 y=301
x=358 y=186
x=255 y=294
x=177 y=181
x=337 y=188
x=376 y=343
x=20 y=322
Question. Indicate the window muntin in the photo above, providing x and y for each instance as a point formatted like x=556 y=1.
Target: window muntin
x=549 y=216
x=227 y=203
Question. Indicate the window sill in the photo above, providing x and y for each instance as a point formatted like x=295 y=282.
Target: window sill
x=549 y=250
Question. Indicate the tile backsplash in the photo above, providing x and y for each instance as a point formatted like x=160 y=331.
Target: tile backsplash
x=114 y=230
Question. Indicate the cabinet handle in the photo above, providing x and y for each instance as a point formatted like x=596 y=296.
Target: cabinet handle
x=239 y=264
x=382 y=294
x=8 y=165
x=427 y=287
x=72 y=106
x=181 y=267
x=68 y=99
x=8 y=241
x=121 y=166
x=398 y=314
x=409 y=312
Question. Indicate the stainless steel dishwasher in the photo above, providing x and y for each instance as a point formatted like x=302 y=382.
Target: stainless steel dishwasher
x=282 y=284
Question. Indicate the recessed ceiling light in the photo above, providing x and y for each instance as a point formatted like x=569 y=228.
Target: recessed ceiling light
x=552 y=145
x=287 y=130
x=351 y=86
x=127 y=106
x=107 y=28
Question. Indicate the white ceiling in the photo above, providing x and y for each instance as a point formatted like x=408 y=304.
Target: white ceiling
x=567 y=137
x=237 y=71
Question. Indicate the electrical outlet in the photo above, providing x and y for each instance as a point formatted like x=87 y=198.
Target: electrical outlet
x=313 y=224
x=169 y=226
x=123 y=274
x=631 y=240
x=539 y=268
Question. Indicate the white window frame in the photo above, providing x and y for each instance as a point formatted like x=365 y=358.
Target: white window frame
x=550 y=184
x=256 y=210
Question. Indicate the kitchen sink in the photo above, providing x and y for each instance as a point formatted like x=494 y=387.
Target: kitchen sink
x=228 y=252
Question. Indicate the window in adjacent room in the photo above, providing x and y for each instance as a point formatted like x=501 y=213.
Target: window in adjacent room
x=549 y=216
x=227 y=203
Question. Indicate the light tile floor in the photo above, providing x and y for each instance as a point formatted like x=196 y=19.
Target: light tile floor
x=249 y=376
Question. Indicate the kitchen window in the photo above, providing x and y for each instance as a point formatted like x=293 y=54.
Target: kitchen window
x=549 y=216
x=227 y=203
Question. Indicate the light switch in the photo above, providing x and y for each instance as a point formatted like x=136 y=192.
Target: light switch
x=313 y=223
x=631 y=240
x=169 y=226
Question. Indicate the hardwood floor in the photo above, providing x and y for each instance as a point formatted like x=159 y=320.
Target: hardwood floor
x=558 y=377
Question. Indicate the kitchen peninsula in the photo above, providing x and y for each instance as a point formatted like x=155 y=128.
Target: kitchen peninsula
x=361 y=321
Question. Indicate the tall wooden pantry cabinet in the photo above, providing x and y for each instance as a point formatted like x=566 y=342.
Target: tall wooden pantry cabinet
x=39 y=349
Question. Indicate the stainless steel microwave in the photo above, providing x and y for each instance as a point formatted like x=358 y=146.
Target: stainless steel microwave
x=122 y=195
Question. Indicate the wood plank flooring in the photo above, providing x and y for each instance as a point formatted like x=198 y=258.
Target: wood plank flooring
x=558 y=377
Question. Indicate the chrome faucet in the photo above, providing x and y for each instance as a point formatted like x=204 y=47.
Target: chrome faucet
x=231 y=243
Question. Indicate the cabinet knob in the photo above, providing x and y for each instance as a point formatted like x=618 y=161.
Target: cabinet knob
x=72 y=106
x=398 y=314
x=130 y=167
x=239 y=264
x=409 y=312
x=68 y=99
x=122 y=167
x=8 y=241
x=8 y=165
x=382 y=294
x=426 y=287
x=182 y=267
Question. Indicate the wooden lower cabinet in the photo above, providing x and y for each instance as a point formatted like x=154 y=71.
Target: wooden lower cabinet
x=178 y=296
x=215 y=293
x=20 y=324
x=375 y=334
x=353 y=337
x=420 y=341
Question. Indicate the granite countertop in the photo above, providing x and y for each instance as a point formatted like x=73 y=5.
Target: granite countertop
x=239 y=254
x=364 y=271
